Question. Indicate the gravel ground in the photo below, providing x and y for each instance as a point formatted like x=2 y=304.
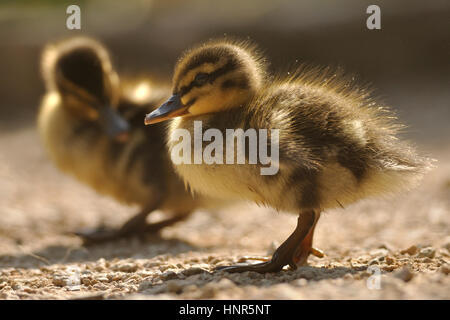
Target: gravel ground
x=406 y=240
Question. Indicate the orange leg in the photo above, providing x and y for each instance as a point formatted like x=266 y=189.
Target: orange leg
x=305 y=248
x=286 y=252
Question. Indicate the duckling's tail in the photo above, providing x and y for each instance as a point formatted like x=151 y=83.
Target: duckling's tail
x=399 y=168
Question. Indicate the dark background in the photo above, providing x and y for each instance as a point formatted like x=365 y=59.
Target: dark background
x=407 y=61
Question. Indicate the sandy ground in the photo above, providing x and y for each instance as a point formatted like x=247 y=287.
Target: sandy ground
x=405 y=239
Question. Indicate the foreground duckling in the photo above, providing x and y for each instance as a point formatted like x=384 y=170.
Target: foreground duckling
x=335 y=144
x=92 y=129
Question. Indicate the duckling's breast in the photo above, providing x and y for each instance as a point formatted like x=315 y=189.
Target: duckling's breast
x=234 y=181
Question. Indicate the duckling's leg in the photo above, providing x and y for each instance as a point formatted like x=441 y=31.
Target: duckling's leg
x=137 y=225
x=305 y=248
x=286 y=252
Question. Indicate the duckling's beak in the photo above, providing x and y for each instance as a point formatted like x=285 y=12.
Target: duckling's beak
x=114 y=125
x=170 y=109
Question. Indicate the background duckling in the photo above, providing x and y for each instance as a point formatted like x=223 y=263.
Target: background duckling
x=85 y=113
x=336 y=145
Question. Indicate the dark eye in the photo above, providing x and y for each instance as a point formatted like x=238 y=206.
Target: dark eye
x=201 y=78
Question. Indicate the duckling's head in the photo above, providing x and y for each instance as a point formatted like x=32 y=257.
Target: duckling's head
x=80 y=70
x=213 y=77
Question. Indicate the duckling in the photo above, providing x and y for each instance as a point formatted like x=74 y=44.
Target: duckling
x=336 y=144
x=91 y=126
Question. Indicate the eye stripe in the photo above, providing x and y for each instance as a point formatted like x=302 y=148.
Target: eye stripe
x=228 y=67
x=184 y=90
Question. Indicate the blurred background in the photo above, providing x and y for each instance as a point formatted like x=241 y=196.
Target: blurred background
x=407 y=62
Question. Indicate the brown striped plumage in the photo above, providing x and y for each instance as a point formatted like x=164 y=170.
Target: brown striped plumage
x=336 y=144
x=79 y=78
